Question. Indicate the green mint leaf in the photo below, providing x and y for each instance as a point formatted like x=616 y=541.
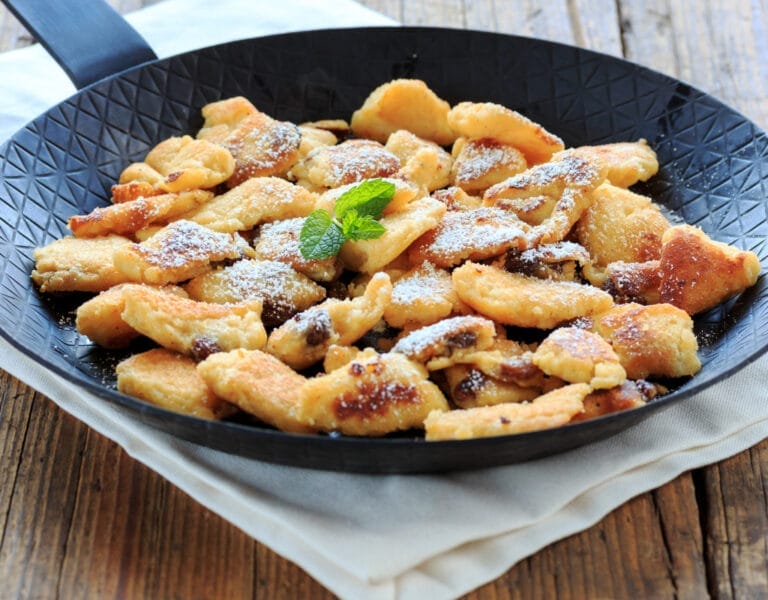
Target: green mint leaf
x=348 y=223
x=369 y=198
x=356 y=211
x=320 y=237
x=364 y=228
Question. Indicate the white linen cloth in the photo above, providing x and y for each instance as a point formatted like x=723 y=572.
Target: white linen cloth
x=385 y=537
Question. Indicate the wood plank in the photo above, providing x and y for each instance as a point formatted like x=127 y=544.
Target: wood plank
x=622 y=556
x=442 y=13
x=647 y=35
x=391 y=8
x=35 y=537
x=687 y=40
x=587 y=23
x=678 y=512
x=734 y=497
x=280 y=578
x=135 y=535
x=15 y=408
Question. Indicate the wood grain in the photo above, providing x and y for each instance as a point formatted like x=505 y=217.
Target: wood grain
x=79 y=518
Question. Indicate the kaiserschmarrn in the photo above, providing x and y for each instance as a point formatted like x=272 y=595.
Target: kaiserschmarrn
x=511 y=284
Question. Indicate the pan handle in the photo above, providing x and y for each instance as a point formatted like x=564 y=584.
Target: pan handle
x=88 y=38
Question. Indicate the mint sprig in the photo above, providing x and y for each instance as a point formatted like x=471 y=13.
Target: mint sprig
x=354 y=217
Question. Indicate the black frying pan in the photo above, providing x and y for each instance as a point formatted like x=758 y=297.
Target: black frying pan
x=714 y=173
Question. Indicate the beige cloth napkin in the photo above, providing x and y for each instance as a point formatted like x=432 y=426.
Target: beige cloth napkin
x=386 y=537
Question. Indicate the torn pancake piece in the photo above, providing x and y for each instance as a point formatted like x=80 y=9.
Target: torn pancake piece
x=403 y=104
x=550 y=410
x=179 y=251
x=422 y=296
x=444 y=343
x=258 y=384
x=698 y=273
x=373 y=395
x=74 y=264
x=255 y=201
x=626 y=163
x=196 y=329
x=475 y=120
x=304 y=339
x=128 y=217
x=100 y=318
x=170 y=380
x=651 y=341
x=470 y=234
x=283 y=290
x=182 y=163
x=579 y=356
x=349 y=162
x=522 y=301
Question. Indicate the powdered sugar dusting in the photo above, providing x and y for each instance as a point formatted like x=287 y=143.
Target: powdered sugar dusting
x=427 y=339
x=482 y=232
x=264 y=150
x=425 y=282
x=555 y=253
x=357 y=160
x=480 y=157
x=571 y=170
x=184 y=242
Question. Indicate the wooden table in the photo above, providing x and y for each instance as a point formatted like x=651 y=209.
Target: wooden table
x=79 y=518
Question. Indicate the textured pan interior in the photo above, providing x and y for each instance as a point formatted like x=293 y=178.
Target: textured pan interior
x=713 y=173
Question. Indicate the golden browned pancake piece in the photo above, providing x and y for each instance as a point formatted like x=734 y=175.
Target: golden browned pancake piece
x=349 y=162
x=553 y=409
x=446 y=342
x=182 y=163
x=523 y=301
x=373 y=395
x=620 y=225
x=455 y=198
x=422 y=296
x=477 y=120
x=630 y=394
x=422 y=161
x=280 y=242
x=133 y=190
x=470 y=234
x=223 y=116
x=196 y=329
x=579 y=356
x=633 y=282
x=626 y=162
x=402 y=229
x=258 y=384
x=479 y=164
x=178 y=252
x=303 y=340
x=650 y=341
x=260 y=145
x=283 y=291
x=256 y=201
x=128 y=217
x=100 y=318
x=470 y=387
x=698 y=273
x=403 y=104
x=170 y=380
x=78 y=265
